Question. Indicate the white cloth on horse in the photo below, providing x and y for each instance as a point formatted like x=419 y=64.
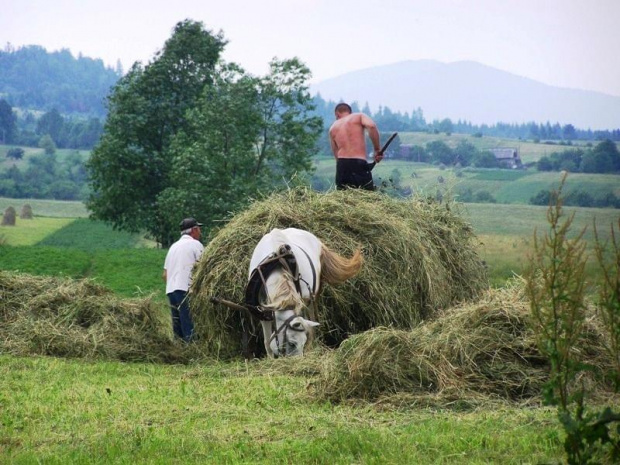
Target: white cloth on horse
x=305 y=247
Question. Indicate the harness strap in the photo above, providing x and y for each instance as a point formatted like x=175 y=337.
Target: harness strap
x=283 y=327
x=313 y=272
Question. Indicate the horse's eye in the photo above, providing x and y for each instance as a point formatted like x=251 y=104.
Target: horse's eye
x=297 y=326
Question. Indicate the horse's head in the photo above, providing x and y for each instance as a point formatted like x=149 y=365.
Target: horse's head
x=290 y=334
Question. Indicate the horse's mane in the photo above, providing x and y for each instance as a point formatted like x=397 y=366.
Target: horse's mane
x=285 y=293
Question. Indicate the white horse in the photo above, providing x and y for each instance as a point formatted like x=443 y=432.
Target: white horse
x=290 y=286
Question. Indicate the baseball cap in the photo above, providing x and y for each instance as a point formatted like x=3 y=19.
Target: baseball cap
x=189 y=223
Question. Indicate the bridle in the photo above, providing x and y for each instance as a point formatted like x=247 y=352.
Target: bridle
x=283 y=329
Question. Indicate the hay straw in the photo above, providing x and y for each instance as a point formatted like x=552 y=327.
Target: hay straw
x=479 y=350
x=419 y=258
x=70 y=318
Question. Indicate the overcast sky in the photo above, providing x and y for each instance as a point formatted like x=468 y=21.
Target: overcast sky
x=567 y=43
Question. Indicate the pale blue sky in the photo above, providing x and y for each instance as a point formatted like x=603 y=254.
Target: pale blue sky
x=567 y=43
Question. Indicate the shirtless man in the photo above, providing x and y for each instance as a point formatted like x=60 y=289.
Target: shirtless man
x=346 y=137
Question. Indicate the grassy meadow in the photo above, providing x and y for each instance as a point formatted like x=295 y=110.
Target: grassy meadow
x=529 y=151
x=69 y=411
x=506 y=186
x=127 y=263
x=55 y=410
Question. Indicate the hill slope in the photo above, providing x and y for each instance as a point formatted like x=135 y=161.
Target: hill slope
x=473 y=92
x=33 y=78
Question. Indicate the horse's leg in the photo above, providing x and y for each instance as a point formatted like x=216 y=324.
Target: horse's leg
x=266 y=336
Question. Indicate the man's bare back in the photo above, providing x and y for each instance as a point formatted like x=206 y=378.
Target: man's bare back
x=346 y=135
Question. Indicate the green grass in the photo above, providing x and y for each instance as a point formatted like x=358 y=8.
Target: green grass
x=86 y=234
x=528 y=150
x=46 y=261
x=62 y=411
x=521 y=220
x=30 y=232
x=506 y=234
x=41 y=207
x=128 y=272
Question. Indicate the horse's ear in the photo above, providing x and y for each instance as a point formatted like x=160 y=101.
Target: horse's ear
x=311 y=324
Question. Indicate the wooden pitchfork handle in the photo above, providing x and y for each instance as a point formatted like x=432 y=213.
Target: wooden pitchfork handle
x=228 y=303
x=251 y=310
x=383 y=149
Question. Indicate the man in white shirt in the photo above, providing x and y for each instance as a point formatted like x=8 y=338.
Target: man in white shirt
x=178 y=267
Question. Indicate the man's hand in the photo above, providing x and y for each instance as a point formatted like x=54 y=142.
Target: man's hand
x=378 y=156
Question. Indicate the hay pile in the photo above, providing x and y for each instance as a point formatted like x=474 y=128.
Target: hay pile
x=26 y=212
x=474 y=351
x=419 y=257
x=8 y=219
x=69 y=318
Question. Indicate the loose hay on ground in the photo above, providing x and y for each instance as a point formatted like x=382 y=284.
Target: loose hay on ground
x=478 y=350
x=79 y=318
x=419 y=257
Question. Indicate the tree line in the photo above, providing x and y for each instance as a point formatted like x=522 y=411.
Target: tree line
x=77 y=132
x=33 y=78
x=604 y=157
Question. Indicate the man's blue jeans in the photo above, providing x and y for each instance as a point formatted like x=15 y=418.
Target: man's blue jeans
x=181 y=320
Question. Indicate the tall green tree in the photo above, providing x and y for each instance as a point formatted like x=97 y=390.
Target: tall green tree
x=52 y=124
x=246 y=135
x=130 y=167
x=289 y=132
x=8 y=122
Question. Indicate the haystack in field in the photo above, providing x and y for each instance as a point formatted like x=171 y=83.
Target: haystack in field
x=483 y=349
x=70 y=318
x=26 y=212
x=8 y=219
x=419 y=257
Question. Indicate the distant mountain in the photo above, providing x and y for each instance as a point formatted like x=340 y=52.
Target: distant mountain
x=471 y=91
x=33 y=78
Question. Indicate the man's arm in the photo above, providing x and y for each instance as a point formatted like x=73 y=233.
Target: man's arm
x=332 y=142
x=373 y=134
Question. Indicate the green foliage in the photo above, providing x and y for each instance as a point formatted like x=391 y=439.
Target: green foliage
x=578 y=198
x=16 y=153
x=47 y=143
x=485 y=160
x=51 y=123
x=45 y=176
x=603 y=158
x=131 y=165
x=556 y=289
x=608 y=304
x=185 y=138
x=8 y=122
x=440 y=152
x=246 y=135
x=33 y=78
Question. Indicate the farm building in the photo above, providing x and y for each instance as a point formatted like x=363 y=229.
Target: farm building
x=508 y=157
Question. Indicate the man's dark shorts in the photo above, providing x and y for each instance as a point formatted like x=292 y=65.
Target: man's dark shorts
x=353 y=172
